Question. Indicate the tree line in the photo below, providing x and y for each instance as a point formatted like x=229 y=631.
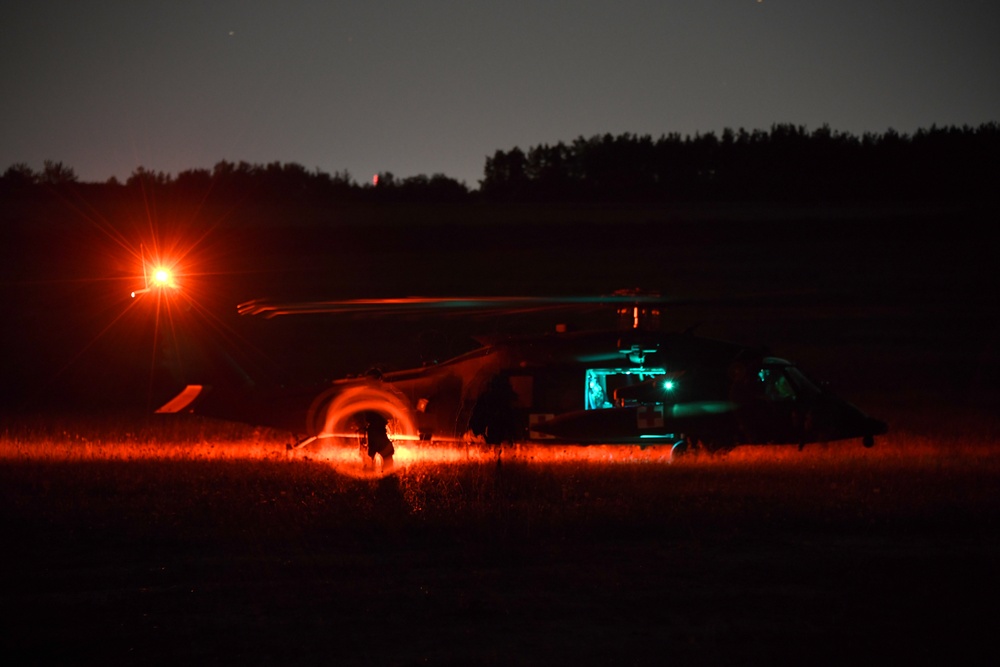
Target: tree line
x=785 y=163
x=288 y=181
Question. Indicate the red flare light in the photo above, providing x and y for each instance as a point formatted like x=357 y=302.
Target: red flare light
x=156 y=276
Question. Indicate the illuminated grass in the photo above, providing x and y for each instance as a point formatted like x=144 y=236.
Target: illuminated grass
x=200 y=479
x=194 y=538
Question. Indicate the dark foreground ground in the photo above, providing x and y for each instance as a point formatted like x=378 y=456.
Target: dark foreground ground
x=831 y=555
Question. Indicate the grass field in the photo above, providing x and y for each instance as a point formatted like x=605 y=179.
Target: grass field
x=136 y=541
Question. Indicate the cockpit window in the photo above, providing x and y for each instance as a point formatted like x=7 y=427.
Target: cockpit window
x=597 y=391
x=786 y=383
x=802 y=381
x=606 y=387
x=776 y=385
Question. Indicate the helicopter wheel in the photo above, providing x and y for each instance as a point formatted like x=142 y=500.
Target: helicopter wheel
x=686 y=446
x=679 y=448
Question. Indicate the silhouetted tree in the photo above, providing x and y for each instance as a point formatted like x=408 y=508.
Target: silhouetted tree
x=551 y=170
x=141 y=178
x=193 y=182
x=56 y=173
x=506 y=174
x=18 y=175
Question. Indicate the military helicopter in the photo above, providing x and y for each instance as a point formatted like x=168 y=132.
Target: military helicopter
x=632 y=384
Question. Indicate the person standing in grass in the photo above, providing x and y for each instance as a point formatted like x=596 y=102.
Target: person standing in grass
x=376 y=433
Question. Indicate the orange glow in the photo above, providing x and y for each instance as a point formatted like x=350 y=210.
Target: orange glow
x=346 y=457
x=900 y=450
x=162 y=277
x=907 y=452
x=162 y=274
x=157 y=275
x=342 y=410
x=181 y=400
x=430 y=453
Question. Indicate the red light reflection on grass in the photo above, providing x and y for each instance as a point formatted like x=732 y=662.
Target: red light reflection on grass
x=188 y=438
x=344 y=456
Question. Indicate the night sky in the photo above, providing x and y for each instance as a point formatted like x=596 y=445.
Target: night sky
x=436 y=87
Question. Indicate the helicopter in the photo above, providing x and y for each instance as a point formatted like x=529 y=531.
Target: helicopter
x=633 y=384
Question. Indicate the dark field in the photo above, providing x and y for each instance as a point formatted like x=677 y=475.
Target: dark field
x=130 y=540
x=201 y=542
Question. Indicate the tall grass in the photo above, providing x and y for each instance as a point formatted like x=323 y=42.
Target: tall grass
x=136 y=478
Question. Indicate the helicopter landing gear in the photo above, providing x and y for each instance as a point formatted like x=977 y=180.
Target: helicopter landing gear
x=688 y=446
x=680 y=448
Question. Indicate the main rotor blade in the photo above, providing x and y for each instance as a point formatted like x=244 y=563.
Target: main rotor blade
x=418 y=304
x=489 y=305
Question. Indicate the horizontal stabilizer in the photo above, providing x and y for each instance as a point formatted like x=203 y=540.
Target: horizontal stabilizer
x=181 y=400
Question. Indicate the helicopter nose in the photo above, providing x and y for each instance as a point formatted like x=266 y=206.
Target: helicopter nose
x=875 y=427
x=847 y=421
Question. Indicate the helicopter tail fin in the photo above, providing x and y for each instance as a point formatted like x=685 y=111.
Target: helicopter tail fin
x=182 y=400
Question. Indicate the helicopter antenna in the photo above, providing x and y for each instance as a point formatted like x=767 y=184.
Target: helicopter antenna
x=145 y=272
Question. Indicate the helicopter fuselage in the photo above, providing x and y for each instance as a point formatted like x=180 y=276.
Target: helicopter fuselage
x=633 y=387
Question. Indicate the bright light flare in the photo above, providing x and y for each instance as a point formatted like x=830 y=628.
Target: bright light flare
x=156 y=274
x=162 y=278
x=159 y=278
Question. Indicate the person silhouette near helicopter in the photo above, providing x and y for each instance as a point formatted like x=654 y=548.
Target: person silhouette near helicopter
x=377 y=438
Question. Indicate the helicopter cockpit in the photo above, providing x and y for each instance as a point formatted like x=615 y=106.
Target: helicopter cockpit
x=781 y=381
x=608 y=387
